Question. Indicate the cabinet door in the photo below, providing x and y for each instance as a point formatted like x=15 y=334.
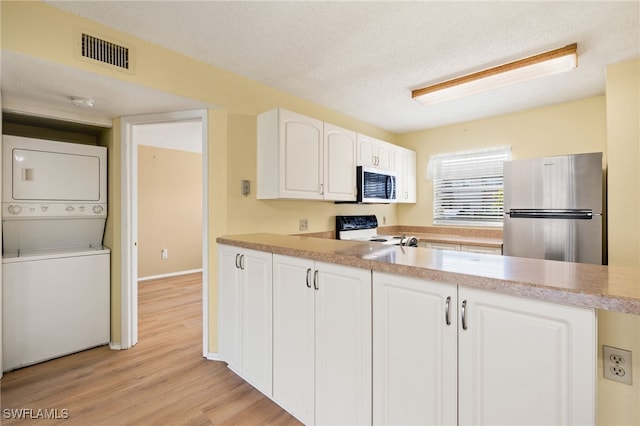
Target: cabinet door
x=480 y=249
x=397 y=158
x=343 y=345
x=293 y=336
x=301 y=153
x=442 y=246
x=366 y=151
x=383 y=153
x=339 y=164
x=230 y=306
x=525 y=362
x=409 y=176
x=257 y=334
x=414 y=351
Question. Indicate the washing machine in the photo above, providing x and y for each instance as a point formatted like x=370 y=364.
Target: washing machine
x=56 y=272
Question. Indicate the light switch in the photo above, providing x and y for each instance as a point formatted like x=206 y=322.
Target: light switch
x=246 y=187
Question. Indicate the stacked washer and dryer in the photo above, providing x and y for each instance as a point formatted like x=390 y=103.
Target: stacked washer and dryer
x=55 y=271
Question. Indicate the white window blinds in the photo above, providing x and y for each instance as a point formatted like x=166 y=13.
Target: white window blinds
x=467 y=186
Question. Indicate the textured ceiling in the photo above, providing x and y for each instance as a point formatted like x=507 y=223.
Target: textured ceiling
x=364 y=58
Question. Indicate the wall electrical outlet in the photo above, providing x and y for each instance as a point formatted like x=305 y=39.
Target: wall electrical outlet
x=164 y=253
x=304 y=224
x=616 y=364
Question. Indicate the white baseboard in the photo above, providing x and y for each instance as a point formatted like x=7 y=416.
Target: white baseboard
x=213 y=356
x=171 y=274
x=115 y=346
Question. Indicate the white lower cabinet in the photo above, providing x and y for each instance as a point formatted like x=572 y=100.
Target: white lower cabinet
x=440 y=246
x=518 y=361
x=352 y=347
x=525 y=362
x=414 y=351
x=461 y=247
x=245 y=314
x=481 y=249
x=322 y=341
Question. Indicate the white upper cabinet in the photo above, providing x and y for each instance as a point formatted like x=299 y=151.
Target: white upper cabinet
x=339 y=163
x=408 y=177
x=373 y=152
x=290 y=152
x=303 y=158
x=300 y=157
x=404 y=165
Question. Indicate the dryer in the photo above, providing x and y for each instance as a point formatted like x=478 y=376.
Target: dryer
x=56 y=280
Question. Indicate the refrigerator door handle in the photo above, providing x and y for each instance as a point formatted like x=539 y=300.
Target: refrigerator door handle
x=551 y=214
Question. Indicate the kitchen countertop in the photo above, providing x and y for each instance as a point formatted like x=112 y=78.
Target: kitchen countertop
x=593 y=286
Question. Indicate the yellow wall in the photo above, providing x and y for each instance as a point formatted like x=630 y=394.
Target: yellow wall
x=169 y=210
x=568 y=128
x=619 y=404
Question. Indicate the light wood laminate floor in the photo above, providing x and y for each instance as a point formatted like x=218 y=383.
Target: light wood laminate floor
x=163 y=380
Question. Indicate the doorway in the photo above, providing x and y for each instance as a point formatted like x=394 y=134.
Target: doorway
x=136 y=129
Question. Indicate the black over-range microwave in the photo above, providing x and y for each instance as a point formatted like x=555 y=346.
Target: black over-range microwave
x=375 y=185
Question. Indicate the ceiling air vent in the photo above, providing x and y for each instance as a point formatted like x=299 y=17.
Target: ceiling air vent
x=105 y=51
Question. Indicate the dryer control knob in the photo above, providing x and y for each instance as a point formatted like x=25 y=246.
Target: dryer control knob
x=70 y=208
x=15 y=209
x=97 y=209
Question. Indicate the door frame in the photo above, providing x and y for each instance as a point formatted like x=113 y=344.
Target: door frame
x=129 y=220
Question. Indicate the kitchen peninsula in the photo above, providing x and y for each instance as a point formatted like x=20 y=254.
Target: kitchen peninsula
x=356 y=332
x=592 y=286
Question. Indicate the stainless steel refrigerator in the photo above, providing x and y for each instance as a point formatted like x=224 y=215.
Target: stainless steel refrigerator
x=553 y=208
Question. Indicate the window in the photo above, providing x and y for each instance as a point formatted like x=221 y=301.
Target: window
x=468 y=187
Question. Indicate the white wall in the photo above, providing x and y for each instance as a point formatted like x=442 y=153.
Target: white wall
x=179 y=135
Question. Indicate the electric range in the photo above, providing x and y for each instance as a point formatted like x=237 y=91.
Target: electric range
x=365 y=228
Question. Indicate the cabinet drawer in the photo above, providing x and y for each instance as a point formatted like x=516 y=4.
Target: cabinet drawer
x=481 y=249
x=441 y=246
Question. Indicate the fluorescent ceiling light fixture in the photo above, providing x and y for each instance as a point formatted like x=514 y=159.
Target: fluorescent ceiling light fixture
x=543 y=64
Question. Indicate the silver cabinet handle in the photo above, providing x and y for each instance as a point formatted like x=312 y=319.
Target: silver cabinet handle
x=237 y=260
x=464 y=314
x=321 y=189
x=309 y=277
x=315 y=280
x=242 y=262
x=447 y=311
